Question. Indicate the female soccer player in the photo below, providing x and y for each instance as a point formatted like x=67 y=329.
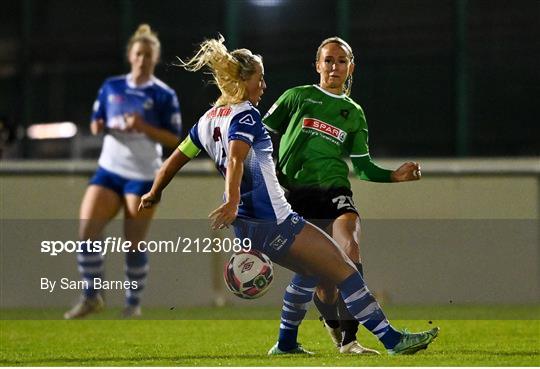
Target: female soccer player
x=320 y=125
x=232 y=133
x=138 y=114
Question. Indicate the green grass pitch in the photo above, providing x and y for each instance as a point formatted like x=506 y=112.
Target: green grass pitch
x=209 y=340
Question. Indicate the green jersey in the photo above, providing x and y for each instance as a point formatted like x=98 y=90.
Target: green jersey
x=318 y=130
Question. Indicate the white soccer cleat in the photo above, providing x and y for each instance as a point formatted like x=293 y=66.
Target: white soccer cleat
x=85 y=307
x=334 y=333
x=357 y=349
x=131 y=311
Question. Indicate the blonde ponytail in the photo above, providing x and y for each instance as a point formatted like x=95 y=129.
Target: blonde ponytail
x=144 y=33
x=229 y=69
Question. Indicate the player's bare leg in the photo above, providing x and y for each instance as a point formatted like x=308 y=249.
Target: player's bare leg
x=346 y=232
x=98 y=207
x=313 y=253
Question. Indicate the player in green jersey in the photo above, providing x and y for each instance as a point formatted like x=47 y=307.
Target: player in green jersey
x=320 y=126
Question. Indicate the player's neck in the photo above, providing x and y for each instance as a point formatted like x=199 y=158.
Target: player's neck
x=140 y=79
x=332 y=90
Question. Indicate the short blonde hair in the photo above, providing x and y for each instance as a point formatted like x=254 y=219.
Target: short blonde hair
x=145 y=34
x=229 y=69
x=348 y=49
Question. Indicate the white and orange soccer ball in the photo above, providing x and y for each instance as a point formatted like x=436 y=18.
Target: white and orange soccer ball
x=249 y=274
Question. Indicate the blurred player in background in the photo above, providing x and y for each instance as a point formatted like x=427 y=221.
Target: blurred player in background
x=320 y=125
x=138 y=114
x=232 y=133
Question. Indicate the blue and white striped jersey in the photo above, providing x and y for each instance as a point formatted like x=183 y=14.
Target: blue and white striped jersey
x=132 y=154
x=261 y=195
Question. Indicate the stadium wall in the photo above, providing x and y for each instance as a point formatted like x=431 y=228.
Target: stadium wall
x=467 y=233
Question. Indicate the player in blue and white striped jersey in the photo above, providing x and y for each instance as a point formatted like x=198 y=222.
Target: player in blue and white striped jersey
x=138 y=114
x=233 y=135
x=261 y=194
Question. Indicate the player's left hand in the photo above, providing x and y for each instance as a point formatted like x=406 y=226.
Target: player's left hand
x=224 y=215
x=409 y=171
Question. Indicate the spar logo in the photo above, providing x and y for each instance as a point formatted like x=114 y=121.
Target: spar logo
x=328 y=129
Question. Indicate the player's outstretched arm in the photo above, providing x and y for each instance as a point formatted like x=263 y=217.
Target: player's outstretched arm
x=367 y=170
x=226 y=213
x=164 y=176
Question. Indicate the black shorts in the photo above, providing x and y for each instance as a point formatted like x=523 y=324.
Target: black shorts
x=321 y=206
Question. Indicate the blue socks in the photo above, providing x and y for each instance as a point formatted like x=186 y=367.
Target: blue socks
x=363 y=306
x=136 y=272
x=358 y=299
x=90 y=266
x=297 y=297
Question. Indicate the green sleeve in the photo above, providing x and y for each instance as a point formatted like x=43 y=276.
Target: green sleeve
x=363 y=166
x=367 y=170
x=279 y=115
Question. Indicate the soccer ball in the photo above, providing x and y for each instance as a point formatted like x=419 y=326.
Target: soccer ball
x=248 y=274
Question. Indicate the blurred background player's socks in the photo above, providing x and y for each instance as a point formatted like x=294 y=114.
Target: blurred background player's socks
x=136 y=272
x=297 y=297
x=363 y=306
x=90 y=266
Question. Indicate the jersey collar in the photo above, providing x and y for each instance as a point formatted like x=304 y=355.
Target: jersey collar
x=131 y=84
x=329 y=93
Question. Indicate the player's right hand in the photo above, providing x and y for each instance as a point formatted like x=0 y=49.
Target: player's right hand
x=148 y=200
x=97 y=126
x=223 y=216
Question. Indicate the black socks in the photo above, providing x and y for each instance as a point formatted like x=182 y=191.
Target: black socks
x=337 y=315
x=329 y=312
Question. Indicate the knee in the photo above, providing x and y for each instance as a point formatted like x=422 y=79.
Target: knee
x=89 y=229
